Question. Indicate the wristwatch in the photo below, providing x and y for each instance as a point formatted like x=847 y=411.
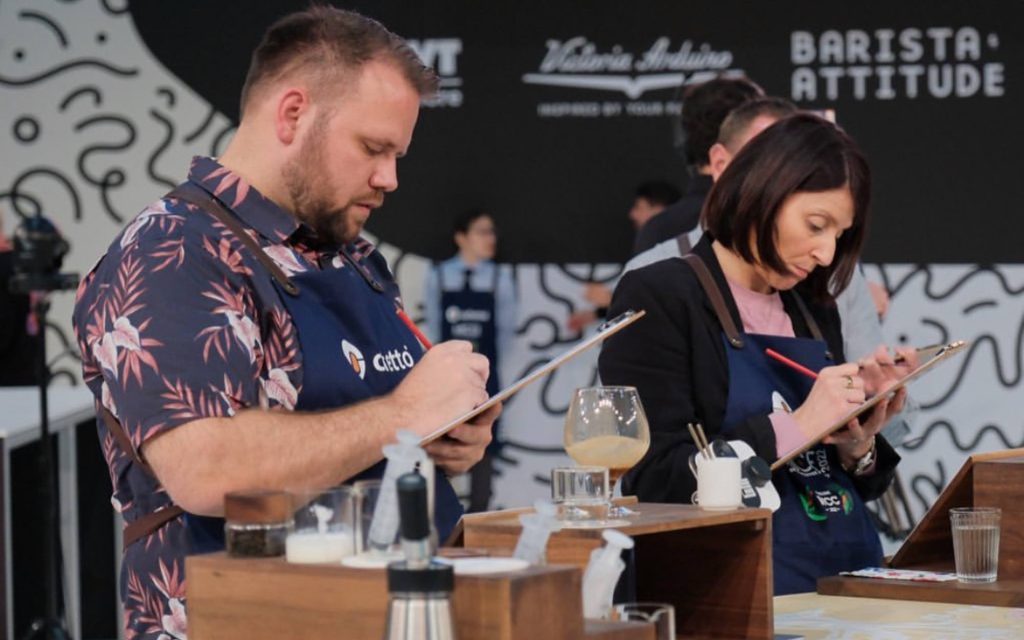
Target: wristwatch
x=864 y=462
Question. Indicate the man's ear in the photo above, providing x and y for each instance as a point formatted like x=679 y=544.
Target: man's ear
x=293 y=105
x=718 y=159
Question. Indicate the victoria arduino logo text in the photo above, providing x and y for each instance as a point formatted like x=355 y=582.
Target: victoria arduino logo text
x=578 y=63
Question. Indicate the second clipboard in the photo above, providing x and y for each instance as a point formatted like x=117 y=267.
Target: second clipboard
x=606 y=330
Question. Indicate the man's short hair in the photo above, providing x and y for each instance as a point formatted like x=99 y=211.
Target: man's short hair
x=736 y=123
x=705 y=105
x=657 y=192
x=801 y=153
x=330 y=44
x=465 y=219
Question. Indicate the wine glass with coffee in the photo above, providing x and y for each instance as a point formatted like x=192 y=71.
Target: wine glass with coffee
x=607 y=427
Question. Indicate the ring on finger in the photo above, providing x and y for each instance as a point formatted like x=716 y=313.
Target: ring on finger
x=849 y=381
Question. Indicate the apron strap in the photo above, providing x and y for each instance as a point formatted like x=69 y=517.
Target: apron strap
x=149 y=523
x=812 y=324
x=715 y=295
x=683 y=241
x=204 y=201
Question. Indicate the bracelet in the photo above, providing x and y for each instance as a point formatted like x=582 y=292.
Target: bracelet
x=861 y=466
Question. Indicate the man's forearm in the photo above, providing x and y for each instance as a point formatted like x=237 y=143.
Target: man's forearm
x=200 y=461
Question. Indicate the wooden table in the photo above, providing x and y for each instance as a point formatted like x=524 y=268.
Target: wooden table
x=818 y=617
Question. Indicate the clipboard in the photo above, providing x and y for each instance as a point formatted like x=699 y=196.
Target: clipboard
x=935 y=354
x=605 y=331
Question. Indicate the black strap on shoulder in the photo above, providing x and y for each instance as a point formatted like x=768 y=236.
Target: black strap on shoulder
x=812 y=324
x=204 y=201
x=715 y=295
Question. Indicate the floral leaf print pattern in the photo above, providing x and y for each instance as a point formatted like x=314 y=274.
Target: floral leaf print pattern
x=184 y=404
x=229 y=179
x=177 y=322
x=238 y=326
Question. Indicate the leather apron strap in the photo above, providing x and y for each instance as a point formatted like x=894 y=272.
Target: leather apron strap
x=715 y=295
x=204 y=201
x=147 y=524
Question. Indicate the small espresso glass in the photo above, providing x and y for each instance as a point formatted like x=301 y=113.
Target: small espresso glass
x=976 y=543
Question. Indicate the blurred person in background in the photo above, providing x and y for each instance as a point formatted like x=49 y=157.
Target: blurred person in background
x=469 y=297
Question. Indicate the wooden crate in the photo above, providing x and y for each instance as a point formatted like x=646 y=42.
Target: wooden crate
x=985 y=480
x=258 y=599
x=714 y=567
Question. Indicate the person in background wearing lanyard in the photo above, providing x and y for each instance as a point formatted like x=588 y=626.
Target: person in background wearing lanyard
x=469 y=297
x=784 y=226
x=240 y=334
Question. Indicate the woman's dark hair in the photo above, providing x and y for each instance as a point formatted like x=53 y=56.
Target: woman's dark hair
x=465 y=220
x=801 y=153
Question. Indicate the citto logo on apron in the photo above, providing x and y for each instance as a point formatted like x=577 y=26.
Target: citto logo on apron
x=354 y=357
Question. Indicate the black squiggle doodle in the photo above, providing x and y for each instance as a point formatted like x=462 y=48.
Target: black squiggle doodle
x=545 y=320
x=166 y=142
x=546 y=288
x=49 y=22
x=935 y=486
x=15 y=197
x=169 y=95
x=218 y=140
x=979 y=305
x=1007 y=381
x=190 y=138
x=20 y=126
x=93 y=90
x=114 y=177
x=927 y=288
x=113 y=11
x=86 y=62
x=45 y=171
x=943 y=425
x=546 y=402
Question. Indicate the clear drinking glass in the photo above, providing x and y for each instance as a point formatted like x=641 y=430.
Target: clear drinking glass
x=976 y=543
x=581 y=495
x=365 y=494
x=324 y=526
x=607 y=427
x=661 y=615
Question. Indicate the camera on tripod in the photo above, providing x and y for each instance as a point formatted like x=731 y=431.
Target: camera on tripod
x=39 y=252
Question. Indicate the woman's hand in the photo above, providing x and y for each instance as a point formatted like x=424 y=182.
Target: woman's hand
x=854 y=442
x=880 y=369
x=835 y=393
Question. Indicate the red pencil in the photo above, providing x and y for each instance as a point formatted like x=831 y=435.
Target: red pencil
x=796 y=366
x=412 y=327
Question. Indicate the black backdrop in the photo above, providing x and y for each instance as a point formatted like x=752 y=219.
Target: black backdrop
x=946 y=183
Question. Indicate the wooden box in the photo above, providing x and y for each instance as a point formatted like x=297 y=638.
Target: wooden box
x=259 y=599
x=986 y=480
x=714 y=567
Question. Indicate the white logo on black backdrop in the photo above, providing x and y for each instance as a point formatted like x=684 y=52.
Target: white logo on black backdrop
x=578 y=64
x=442 y=55
x=885 y=64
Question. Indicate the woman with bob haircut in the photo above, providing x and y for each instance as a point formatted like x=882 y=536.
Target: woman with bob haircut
x=784 y=228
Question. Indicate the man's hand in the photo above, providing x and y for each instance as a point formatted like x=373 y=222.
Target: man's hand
x=463 y=446
x=449 y=381
x=597 y=294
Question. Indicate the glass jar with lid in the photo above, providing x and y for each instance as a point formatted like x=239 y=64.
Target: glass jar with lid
x=257 y=523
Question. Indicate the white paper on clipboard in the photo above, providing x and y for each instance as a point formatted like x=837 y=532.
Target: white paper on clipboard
x=605 y=331
x=934 y=354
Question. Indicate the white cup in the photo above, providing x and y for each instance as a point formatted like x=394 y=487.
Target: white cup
x=718 y=483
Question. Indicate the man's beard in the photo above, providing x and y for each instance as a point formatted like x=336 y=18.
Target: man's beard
x=307 y=183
